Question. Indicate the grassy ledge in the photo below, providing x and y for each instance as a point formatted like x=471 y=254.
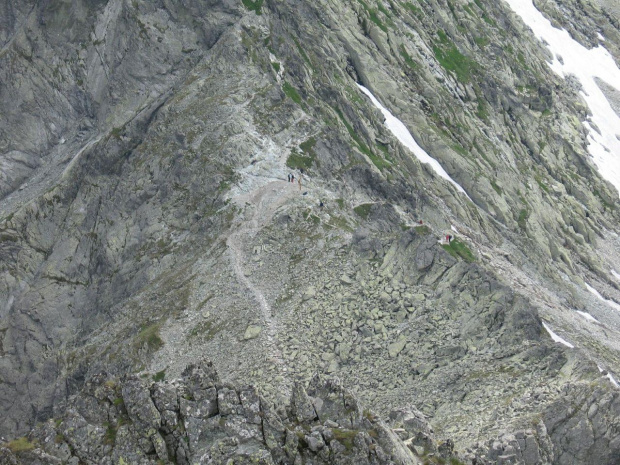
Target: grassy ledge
x=458 y=249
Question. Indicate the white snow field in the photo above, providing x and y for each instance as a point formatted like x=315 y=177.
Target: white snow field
x=611 y=303
x=572 y=58
x=401 y=132
x=557 y=338
x=609 y=376
x=587 y=316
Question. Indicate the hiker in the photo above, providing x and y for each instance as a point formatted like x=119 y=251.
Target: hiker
x=292 y=178
x=289 y=177
x=449 y=238
x=321 y=205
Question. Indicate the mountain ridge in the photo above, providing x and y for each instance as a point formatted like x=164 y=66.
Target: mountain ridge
x=134 y=188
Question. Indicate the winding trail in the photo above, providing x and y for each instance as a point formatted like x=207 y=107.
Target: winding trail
x=265 y=200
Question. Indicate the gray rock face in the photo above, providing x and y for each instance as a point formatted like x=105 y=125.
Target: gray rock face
x=145 y=424
x=145 y=221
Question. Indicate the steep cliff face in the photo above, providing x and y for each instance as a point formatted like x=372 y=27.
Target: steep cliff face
x=146 y=218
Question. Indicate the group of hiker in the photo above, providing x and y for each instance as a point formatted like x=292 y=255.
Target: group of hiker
x=291 y=178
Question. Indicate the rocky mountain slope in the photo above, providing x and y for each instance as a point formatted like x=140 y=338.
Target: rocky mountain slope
x=146 y=219
x=198 y=419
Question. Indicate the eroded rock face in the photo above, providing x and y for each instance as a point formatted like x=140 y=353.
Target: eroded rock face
x=146 y=220
x=197 y=419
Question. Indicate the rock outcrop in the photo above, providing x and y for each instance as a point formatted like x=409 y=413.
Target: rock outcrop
x=199 y=419
x=146 y=220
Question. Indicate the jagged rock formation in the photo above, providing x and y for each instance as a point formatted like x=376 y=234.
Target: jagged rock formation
x=198 y=419
x=145 y=217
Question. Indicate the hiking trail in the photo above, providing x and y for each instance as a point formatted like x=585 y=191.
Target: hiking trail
x=264 y=201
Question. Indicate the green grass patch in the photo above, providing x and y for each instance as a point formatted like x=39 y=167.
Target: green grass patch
x=303 y=54
x=296 y=161
x=308 y=216
x=496 y=188
x=353 y=95
x=254 y=6
x=422 y=230
x=467 y=7
x=372 y=14
x=482 y=42
x=308 y=146
x=276 y=66
x=149 y=335
x=345 y=437
x=351 y=132
x=291 y=93
x=458 y=249
x=363 y=210
x=110 y=434
x=485 y=16
x=414 y=9
x=378 y=161
x=159 y=376
x=522 y=220
x=452 y=60
x=489 y=21
x=541 y=184
x=20 y=445
x=116 y=133
x=384 y=148
x=460 y=149
x=383 y=10
x=375 y=19
x=482 y=111
x=382 y=162
x=408 y=60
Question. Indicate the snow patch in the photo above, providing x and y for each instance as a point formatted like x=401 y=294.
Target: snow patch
x=609 y=377
x=586 y=65
x=600 y=36
x=587 y=316
x=401 y=132
x=280 y=65
x=616 y=275
x=609 y=302
x=557 y=338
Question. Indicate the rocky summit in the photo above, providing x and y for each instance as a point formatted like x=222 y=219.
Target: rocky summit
x=397 y=221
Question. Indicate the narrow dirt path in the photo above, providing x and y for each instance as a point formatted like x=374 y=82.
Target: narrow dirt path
x=264 y=200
